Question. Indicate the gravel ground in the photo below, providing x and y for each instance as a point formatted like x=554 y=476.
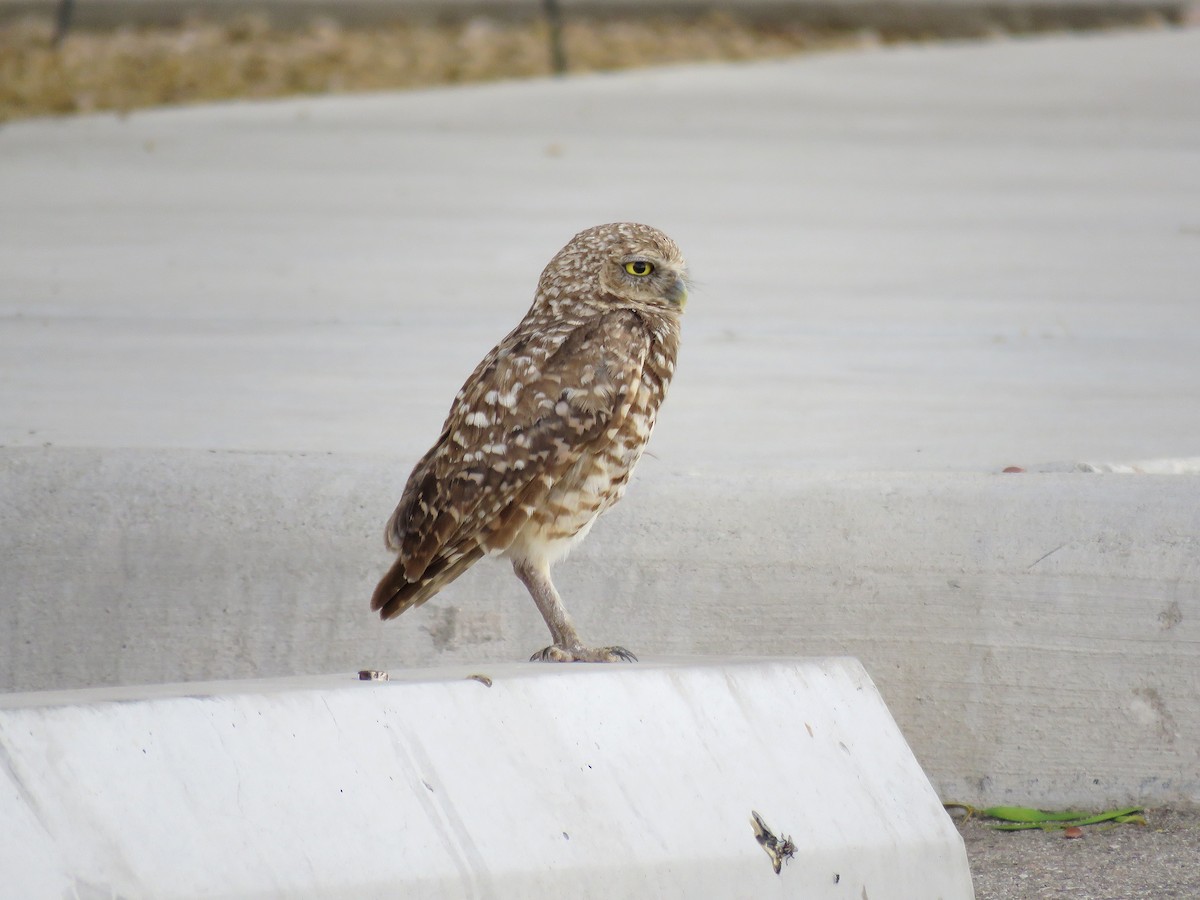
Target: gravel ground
x=1160 y=860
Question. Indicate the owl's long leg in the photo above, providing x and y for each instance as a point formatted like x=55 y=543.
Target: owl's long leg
x=566 y=647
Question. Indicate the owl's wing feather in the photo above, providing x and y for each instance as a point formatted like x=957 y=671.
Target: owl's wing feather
x=524 y=418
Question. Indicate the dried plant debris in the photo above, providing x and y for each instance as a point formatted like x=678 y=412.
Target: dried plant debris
x=44 y=71
x=135 y=67
x=778 y=849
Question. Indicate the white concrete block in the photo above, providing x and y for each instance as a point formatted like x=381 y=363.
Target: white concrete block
x=617 y=781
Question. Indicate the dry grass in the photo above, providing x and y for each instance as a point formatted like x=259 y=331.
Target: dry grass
x=132 y=68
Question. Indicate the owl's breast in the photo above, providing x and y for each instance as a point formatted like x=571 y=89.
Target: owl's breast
x=595 y=482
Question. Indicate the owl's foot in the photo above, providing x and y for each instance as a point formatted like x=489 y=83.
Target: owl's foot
x=579 y=653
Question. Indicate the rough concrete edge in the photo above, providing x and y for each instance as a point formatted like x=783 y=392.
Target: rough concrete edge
x=446 y=672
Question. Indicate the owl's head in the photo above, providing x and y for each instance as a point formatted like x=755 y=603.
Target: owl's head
x=623 y=261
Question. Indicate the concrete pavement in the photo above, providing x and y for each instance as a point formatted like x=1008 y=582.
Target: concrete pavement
x=229 y=331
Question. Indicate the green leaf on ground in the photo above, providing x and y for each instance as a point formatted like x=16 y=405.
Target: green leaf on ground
x=1020 y=818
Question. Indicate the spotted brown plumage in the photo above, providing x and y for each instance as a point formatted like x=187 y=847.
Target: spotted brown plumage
x=543 y=436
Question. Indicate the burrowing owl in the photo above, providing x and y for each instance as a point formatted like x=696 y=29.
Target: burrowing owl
x=545 y=433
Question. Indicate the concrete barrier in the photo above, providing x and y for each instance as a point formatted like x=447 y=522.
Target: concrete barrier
x=1034 y=634
x=505 y=781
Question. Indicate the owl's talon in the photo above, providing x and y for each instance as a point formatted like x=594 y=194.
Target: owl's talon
x=619 y=654
x=579 y=653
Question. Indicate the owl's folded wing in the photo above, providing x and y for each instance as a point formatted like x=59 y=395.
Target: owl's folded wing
x=521 y=423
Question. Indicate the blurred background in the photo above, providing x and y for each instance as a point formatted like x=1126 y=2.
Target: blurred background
x=68 y=56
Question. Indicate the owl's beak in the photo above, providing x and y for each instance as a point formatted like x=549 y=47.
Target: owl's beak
x=679 y=293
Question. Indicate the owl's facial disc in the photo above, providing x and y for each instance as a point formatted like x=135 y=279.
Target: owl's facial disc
x=647 y=277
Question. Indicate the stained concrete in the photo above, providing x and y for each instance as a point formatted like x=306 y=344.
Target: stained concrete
x=229 y=331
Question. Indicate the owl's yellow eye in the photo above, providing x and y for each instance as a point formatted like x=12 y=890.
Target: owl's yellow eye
x=639 y=267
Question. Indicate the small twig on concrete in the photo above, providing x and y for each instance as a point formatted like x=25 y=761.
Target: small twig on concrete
x=1044 y=555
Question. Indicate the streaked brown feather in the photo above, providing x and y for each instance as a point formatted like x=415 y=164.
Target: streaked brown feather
x=396 y=594
x=442 y=507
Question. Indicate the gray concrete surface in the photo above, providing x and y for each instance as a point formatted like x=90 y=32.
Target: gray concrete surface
x=961 y=257
x=228 y=332
x=511 y=781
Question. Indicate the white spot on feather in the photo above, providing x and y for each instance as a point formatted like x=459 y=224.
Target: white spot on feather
x=509 y=400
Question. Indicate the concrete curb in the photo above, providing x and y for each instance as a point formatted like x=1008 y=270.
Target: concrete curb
x=527 y=781
x=1034 y=634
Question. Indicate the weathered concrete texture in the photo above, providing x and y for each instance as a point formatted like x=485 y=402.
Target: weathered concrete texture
x=1035 y=635
x=545 y=781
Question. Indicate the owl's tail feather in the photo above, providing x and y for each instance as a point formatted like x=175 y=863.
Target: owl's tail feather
x=396 y=593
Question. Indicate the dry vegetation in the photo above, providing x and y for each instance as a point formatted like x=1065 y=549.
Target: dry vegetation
x=138 y=67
